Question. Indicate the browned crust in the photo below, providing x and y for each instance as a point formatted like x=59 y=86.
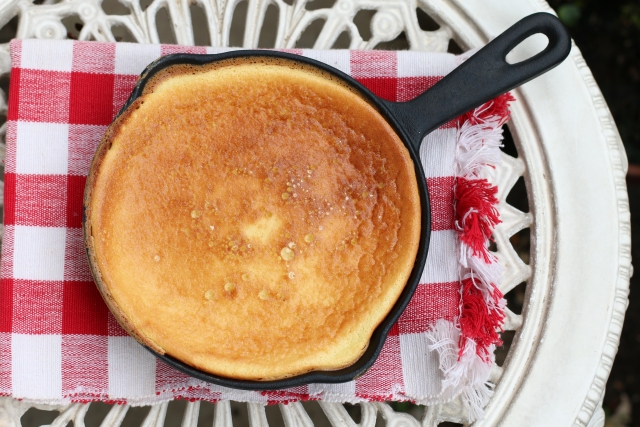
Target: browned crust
x=96 y=163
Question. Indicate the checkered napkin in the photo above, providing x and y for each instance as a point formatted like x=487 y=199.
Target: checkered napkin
x=58 y=340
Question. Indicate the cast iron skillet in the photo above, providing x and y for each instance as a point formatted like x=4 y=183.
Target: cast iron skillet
x=479 y=79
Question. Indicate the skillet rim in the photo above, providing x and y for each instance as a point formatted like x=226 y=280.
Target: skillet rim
x=381 y=332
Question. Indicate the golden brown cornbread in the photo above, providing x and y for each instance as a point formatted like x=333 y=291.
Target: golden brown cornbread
x=256 y=220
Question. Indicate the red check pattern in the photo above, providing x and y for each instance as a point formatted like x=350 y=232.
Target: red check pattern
x=52 y=319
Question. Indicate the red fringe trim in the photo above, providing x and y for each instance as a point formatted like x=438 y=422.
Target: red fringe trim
x=477 y=321
x=498 y=107
x=476 y=217
x=476 y=213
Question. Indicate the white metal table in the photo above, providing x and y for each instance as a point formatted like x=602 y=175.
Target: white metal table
x=579 y=266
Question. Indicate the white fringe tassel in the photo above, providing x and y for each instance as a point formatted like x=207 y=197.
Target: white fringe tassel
x=486 y=275
x=469 y=374
x=477 y=390
x=478 y=146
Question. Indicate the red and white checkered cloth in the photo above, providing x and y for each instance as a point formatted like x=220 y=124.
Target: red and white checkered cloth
x=59 y=342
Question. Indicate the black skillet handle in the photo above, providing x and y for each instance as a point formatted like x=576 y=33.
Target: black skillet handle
x=483 y=76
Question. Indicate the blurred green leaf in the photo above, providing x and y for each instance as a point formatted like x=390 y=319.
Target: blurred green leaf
x=401 y=406
x=631 y=13
x=569 y=14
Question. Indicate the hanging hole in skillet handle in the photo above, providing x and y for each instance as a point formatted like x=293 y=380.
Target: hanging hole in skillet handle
x=530 y=47
x=482 y=77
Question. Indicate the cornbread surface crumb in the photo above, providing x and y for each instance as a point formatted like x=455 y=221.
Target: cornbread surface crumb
x=253 y=220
